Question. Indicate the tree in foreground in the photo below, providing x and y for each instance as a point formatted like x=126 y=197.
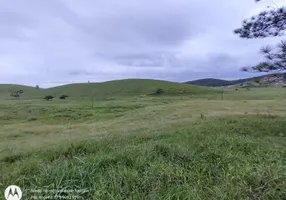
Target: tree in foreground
x=269 y=23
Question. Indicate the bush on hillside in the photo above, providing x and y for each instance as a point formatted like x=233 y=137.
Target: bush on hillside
x=159 y=91
x=49 y=97
x=63 y=96
x=17 y=93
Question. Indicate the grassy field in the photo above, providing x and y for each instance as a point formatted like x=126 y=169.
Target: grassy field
x=175 y=146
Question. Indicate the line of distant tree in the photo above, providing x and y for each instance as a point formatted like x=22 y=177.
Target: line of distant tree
x=17 y=94
x=50 y=97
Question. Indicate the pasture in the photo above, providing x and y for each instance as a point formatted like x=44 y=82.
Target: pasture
x=189 y=143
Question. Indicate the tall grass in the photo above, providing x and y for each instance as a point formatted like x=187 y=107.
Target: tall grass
x=235 y=157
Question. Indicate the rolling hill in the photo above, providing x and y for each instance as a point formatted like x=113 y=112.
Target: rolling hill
x=211 y=82
x=126 y=87
x=6 y=89
x=12 y=87
x=135 y=87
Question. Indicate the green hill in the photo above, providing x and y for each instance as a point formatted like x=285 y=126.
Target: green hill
x=6 y=89
x=12 y=87
x=126 y=87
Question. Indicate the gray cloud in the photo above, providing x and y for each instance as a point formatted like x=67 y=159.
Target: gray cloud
x=150 y=59
x=13 y=28
x=57 y=41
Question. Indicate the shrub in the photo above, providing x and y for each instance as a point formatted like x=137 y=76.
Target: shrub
x=48 y=97
x=159 y=91
x=17 y=93
x=63 y=96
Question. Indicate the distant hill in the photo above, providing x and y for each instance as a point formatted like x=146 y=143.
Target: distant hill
x=126 y=87
x=211 y=82
x=136 y=87
x=6 y=87
x=265 y=80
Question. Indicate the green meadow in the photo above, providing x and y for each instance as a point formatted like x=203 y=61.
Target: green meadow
x=188 y=143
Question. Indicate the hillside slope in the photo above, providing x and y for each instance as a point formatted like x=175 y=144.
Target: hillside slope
x=126 y=87
x=12 y=87
x=6 y=89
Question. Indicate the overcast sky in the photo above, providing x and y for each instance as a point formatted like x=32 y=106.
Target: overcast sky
x=54 y=42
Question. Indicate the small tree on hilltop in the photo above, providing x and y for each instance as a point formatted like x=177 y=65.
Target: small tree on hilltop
x=269 y=23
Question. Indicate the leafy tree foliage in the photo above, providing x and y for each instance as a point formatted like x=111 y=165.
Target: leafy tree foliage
x=269 y=23
x=275 y=59
x=265 y=24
